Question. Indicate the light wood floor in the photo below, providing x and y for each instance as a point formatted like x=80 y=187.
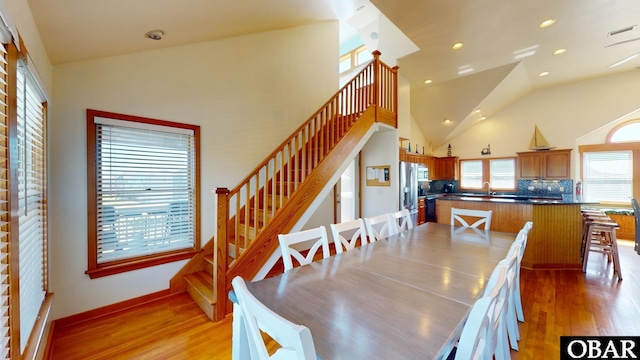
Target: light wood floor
x=555 y=303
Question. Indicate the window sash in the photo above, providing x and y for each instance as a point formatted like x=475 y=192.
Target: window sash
x=499 y=172
x=145 y=191
x=608 y=176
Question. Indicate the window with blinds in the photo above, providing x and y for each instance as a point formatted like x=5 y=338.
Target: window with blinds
x=32 y=194
x=608 y=176
x=499 y=172
x=145 y=189
x=5 y=335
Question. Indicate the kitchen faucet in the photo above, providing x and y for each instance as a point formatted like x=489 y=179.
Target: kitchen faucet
x=488 y=187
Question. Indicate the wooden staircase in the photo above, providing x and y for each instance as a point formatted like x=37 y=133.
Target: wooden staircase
x=276 y=196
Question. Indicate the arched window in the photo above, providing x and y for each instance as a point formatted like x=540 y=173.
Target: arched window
x=625 y=132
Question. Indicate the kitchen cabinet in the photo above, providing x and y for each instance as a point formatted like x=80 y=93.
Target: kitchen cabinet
x=423 y=160
x=545 y=164
x=445 y=168
x=422 y=211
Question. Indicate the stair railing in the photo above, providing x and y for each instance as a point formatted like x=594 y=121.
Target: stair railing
x=244 y=210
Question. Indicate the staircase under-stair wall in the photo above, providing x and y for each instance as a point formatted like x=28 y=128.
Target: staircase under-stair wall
x=283 y=191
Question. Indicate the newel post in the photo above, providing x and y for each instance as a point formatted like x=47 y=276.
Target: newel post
x=376 y=79
x=395 y=92
x=220 y=261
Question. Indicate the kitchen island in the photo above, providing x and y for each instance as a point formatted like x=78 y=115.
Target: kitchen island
x=556 y=237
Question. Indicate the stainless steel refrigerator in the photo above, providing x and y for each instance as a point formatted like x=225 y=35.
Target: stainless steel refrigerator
x=408 y=186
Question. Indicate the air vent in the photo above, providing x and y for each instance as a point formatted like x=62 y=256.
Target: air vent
x=620 y=31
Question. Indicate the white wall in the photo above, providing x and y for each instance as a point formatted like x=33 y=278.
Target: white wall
x=247 y=93
x=381 y=149
x=563 y=114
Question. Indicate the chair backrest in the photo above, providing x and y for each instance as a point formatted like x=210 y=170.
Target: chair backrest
x=636 y=214
x=484 y=217
x=497 y=289
x=476 y=333
x=378 y=227
x=527 y=226
x=250 y=316
x=347 y=234
x=401 y=220
x=316 y=238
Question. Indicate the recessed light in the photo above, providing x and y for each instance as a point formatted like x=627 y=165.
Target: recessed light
x=559 y=51
x=428 y=81
x=477 y=111
x=483 y=118
x=457 y=46
x=628 y=58
x=544 y=73
x=447 y=121
x=547 y=23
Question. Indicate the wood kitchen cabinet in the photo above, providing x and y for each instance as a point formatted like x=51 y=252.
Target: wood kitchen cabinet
x=445 y=168
x=422 y=211
x=545 y=164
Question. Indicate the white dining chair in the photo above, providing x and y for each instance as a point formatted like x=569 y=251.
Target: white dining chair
x=250 y=317
x=522 y=238
x=401 y=220
x=497 y=288
x=378 y=227
x=476 y=333
x=480 y=216
x=292 y=244
x=510 y=316
x=348 y=233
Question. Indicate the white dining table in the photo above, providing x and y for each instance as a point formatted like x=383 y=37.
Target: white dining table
x=404 y=297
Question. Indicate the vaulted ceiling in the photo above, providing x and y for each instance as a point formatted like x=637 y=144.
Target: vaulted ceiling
x=504 y=49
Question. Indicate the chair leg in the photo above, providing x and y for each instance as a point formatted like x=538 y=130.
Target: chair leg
x=616 y=257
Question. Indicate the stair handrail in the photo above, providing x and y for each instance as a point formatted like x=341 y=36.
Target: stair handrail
x=375 y=84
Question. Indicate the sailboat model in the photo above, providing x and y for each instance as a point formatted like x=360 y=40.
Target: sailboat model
x=538 y=142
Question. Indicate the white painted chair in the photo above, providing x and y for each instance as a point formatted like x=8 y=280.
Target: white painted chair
x=461 y=216
x=497 y=289
x=250 y=317
x=510 y=316
x=312 y=239
x=348 y=233
x=522 y=237
x=476 y=333
x=378 y=227
x=401 y=220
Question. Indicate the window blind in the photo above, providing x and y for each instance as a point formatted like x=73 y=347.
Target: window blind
x=4 y=210
x=502 y=173
x=145 y=190
x=471 y=174
x=608 y=176
x=32 y=219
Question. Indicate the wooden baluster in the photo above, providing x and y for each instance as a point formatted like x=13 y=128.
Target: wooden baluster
x=222 y=254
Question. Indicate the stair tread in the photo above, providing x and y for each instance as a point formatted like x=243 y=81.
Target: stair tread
x=203 y=283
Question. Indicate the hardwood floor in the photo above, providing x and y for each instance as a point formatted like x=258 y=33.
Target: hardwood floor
x=555 y=303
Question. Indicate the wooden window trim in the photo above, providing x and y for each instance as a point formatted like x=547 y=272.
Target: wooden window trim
x=95 y=270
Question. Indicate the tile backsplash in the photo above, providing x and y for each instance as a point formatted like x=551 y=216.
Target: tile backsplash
x=545 y=187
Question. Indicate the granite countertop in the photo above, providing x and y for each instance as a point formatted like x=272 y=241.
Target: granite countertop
x=514 y=199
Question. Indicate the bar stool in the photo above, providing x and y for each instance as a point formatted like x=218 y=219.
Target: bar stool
x=600 y=236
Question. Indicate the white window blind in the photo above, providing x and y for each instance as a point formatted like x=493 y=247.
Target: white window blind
x=502 y=173
x=32 y=218
x=145 y=189
x=471 y=174
x=608 y=176
x=4 y=210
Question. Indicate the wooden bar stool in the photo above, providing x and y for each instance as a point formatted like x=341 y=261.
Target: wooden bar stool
x=600 y=236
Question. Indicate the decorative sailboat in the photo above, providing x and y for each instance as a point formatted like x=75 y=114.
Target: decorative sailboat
x=538 y=142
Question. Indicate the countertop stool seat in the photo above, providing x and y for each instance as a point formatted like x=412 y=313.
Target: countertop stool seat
x=600 y=236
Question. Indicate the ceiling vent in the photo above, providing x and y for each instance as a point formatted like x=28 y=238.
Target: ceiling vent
x=620 y=31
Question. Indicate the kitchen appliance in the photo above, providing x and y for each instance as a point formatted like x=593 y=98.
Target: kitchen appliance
x=408 y=186
x=448 y=188
x=423 y=173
